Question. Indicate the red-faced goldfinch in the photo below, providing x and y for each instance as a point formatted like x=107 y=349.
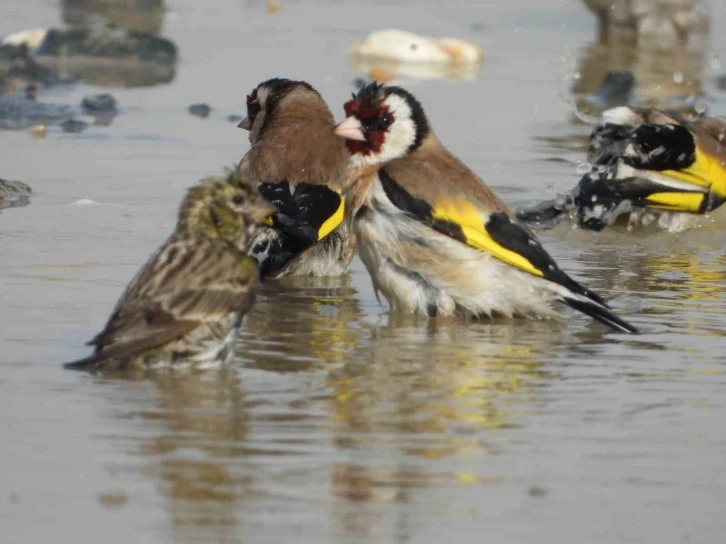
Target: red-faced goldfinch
x=434 y=238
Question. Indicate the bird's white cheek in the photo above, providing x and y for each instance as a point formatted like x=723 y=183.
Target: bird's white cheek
x=399 y=139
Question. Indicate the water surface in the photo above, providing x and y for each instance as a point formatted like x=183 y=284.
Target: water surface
x=335 y=422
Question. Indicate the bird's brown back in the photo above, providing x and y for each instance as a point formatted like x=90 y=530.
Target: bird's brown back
x=297 y=143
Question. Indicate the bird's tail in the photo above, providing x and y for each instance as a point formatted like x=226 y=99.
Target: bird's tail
x=598 y=312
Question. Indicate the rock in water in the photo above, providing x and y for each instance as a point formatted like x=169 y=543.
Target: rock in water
x=16 y=65
x=14 y=194
x=200 y=110
x=108 y=55
x=99 y=103
x=74 y=126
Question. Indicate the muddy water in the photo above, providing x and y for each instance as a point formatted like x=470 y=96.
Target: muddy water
x=336 y=422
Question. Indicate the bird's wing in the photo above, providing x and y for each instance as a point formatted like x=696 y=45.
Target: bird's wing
x=665 y=166
x=186 y=283
x=306 y=211
x=474 y=223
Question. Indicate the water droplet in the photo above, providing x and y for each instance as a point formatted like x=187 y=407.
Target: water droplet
x=583 y=168
x=576 y=75
x=700 y=107
x=716 y=63
x=678 y=77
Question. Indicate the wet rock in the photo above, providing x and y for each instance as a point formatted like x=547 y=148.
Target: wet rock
x=14 y=194
x=18 y=112
x=234 y=118
x=31 y=92
x=18 y=68
x=200 y=110
x=74 y=126
x=99 y=103
x=107 y=55
x=140 y=15
x=108 y=41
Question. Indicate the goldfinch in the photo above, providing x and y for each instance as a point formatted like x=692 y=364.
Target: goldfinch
x=642 y=161
x=184 y=308
x=434 y=238
x=298 y=164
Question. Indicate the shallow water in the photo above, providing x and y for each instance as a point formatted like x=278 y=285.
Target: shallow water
x=336 y=422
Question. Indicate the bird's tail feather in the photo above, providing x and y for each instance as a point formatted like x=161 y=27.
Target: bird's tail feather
x=599 y=313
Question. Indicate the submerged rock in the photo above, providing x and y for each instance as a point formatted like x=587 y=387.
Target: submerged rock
x=99 y=103
x=21 y=111
x=14 y=194
x=18 y=112
x=74 y=126
x=200 y=110
x=18 y=68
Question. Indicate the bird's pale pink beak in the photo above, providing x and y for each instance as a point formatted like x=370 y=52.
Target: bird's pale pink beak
x=245 y=124
x=350 y=129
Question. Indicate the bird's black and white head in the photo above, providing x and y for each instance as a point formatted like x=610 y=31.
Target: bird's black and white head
x=382 y=124
x=264 y=102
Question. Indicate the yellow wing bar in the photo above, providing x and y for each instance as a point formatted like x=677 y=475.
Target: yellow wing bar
x=331 y=223
x=706 y=171
x=471 y=221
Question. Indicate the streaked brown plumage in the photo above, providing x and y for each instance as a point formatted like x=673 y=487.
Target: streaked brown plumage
x=300 y=166
x=185 y=306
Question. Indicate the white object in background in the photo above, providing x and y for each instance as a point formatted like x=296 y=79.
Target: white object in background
x=408 y=47
x=32 y=38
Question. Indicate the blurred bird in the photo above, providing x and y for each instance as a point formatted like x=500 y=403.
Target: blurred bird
x=184 y=308
x=645 y=159
x=299 y=165
x=434 y=238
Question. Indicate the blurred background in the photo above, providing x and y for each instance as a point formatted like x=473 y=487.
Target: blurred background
x=335 y=423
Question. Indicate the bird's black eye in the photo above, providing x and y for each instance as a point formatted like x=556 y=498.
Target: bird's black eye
x=385 y=121
x=238 y=199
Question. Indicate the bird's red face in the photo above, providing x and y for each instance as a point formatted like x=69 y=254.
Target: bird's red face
x=366 y=126
x=382 y=123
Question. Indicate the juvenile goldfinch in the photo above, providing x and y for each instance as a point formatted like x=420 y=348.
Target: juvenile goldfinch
x=299 y=166
x=184 y=308
x=642 y=161
x=434 y=238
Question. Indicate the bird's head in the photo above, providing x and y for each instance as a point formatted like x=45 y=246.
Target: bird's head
x=265 y=100
x=229 y=209
x=383 y=123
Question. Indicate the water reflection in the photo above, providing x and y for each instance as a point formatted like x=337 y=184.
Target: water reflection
x=140 y=15
x=301 y=324
x=110 y=43
x=679 y=283
x=665 y=79
x=199 y=425
x=385 y=71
